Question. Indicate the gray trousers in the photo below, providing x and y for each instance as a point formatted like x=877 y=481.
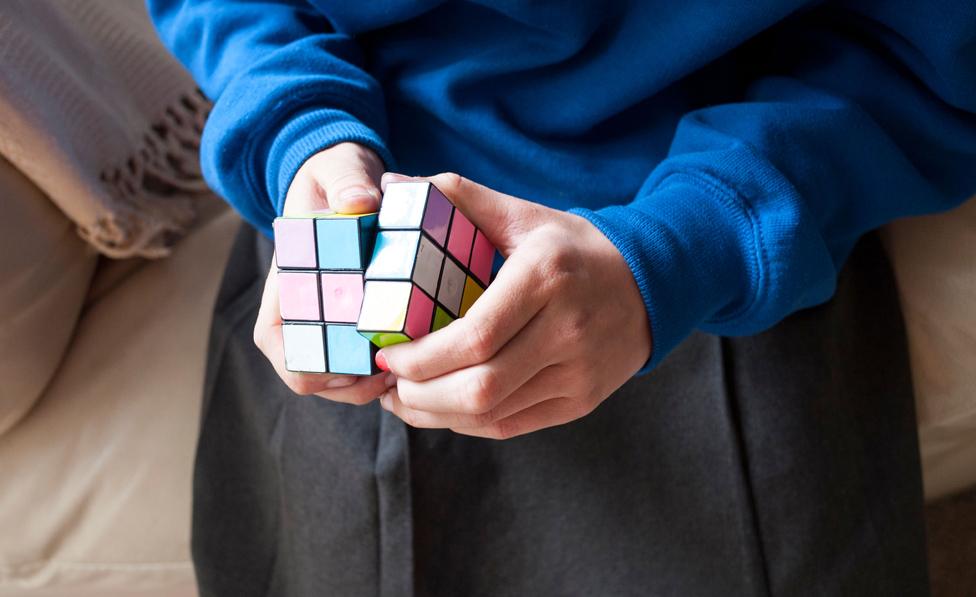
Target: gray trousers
x=780 y=464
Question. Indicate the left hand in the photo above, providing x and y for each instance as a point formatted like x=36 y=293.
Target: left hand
x=561 y=327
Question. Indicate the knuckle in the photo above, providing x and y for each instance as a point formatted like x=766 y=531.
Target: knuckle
x=484 y=419
x=483 y=393
x=480 y=344
x=449 y=182
x=580 y=406
x=503 y=429
x=574 y=328
x=404 y=396
x=409 y=417
x=573 y=378
x=410 y=369
x=560 y=264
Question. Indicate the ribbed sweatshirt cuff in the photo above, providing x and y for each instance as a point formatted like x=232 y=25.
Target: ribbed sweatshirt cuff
x=691 y=248
x=307 y=134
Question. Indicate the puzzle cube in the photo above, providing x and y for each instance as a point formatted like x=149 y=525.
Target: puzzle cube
x=321 y=259
x=429 y=265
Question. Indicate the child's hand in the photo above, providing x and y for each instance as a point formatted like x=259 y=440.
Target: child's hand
x=344 y=178
x=561 y=327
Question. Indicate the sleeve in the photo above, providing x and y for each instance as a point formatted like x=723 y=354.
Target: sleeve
x=867 y=115
x=285 y=85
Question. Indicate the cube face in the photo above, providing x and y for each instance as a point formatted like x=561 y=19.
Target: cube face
x=394 y=255
x=344 y=242
x=416 y=206
x=461 y=238
x=298 y=295
x=394 y=311
x=349 y=352
x=472 y=292
x=340 y=245
x=419 y=314
x=295 y=243
x=381 y=339
x=437 y=219
x=342 y=296
x=451 y=287
x=482 y=258
x=385 y=305
x=427 y=270
x=406 y=255
x=304 y=345
x=404 y=204
x=441 y=319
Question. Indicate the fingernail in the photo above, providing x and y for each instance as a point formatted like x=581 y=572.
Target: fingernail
x=381 y=361
x=386 y=401
x=390 y=380
x=341 y=382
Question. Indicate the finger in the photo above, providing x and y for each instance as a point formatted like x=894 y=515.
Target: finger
x=362 y=391
x=544 y=386
x=549 y=413
x=268 y=338
x=503 y=219
x=508 y=304
x=479 y=388
x=349 y=174
x=305 y=194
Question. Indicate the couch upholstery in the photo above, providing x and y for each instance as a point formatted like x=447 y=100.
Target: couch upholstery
x=101 y=404
x=934 y=259
x=46 y=274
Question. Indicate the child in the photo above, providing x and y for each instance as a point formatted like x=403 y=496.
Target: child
x=651 y=169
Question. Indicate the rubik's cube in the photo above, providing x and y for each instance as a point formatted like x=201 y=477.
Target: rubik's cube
x=321 y=258
x=429 y=265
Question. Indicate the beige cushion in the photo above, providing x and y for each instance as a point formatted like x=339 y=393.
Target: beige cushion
x=45 y=270
x=935 y=263
x=95 y=497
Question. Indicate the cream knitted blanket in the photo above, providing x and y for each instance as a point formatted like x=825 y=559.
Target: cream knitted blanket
x=96 y=112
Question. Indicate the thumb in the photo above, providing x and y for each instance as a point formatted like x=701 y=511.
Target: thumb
x=502 y=218
x=350 y=191
x=343 y=178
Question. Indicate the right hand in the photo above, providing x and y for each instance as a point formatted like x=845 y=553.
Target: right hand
x=345 y=178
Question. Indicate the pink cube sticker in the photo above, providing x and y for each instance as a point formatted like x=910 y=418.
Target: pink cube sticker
x=295 y=243
x=482 y=258
x=298 y=296
x=461 y=236
x=419 y=314
x=342 y=296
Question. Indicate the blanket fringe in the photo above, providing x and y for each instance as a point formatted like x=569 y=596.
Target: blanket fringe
x=153 y=188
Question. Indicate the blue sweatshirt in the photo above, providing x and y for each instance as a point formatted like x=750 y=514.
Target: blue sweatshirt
x=733 y=152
